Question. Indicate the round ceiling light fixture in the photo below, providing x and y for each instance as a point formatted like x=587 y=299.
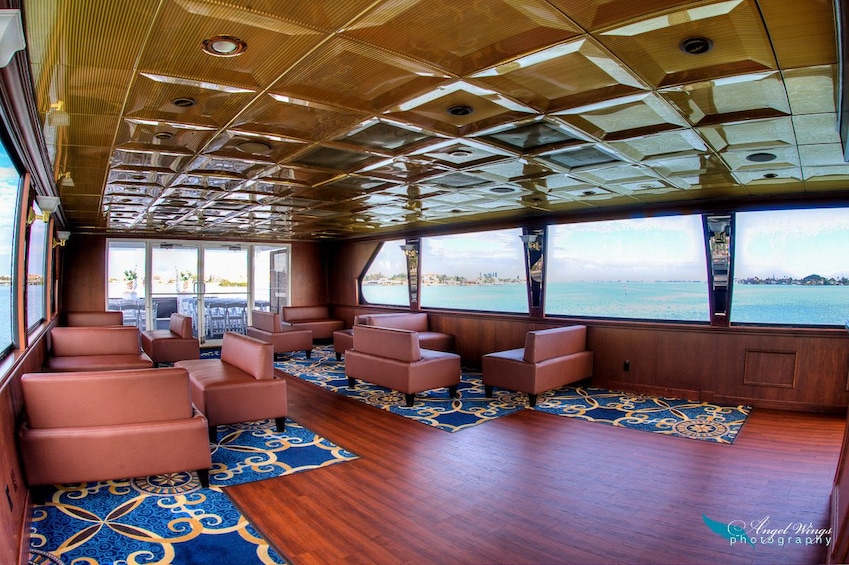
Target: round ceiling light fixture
x=183 y=102
x=460 y=153
x=761 y=157
x=502 y=190
x=771 y=176
x=224 y=46
x=460 y=110
x=254 y=147
x=163 y=135
x=696 y=45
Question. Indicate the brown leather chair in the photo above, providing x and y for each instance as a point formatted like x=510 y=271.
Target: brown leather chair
x=266 y=327
x=240 y=386
x=314 y=318
x=392 y=358
x=96 y=426
x=174 y=344
x=550 y=359
x=104 y=348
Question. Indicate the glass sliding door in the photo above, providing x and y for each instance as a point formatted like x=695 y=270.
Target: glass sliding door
x=224 y=290
x=175 y=286
x=126 y=281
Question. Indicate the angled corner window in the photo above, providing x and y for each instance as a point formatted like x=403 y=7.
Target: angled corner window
x=385 y=279
x=10 y=196
x=791 y=267
x=646 y=268
x=36 y=269
x=482 y=271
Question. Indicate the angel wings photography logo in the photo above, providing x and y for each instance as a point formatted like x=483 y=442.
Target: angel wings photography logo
x=764 y=532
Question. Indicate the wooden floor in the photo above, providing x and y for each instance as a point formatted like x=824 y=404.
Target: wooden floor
x=538 y=488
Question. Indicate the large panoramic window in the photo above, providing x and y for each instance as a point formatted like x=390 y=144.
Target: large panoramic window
x=271 y=277
x=647 y=268
x=36 y=269
x=10 y=186
x=791 y=267
x=385 y=279
x=474 y=271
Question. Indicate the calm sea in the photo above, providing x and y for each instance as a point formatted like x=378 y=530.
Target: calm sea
x=34 y=301
x=687 y=301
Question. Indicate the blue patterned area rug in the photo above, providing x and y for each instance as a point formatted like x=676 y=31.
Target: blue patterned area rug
x=434 y=408
x=170 y=519
x=669 y=416
x=695 y=420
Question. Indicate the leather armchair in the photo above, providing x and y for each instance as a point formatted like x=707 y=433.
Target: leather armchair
x=97 y=426
x=95 y=349
x=93 y=318
x=314 y=318
x=240 y=386
x=174 y=344
x=266 y=326
x=392 y=358
x=550 y=359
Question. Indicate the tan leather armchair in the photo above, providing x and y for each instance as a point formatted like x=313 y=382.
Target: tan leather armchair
x=550 y=359
x=97 y=426
x=105 y=348
x=240 y=386
x=314 y=318
x=174 y=344
x=266 y=326
x=392 y=358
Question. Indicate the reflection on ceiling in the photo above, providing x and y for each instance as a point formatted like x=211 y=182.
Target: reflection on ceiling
x=264 y=119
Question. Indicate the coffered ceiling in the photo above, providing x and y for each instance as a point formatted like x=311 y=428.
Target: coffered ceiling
x=341 y=119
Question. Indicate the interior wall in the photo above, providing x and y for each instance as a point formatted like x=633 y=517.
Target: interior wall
x=795 y=369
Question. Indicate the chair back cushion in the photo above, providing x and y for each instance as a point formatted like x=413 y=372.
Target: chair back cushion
x=111 y=340
x=94 y=318
x=251 y=355
x=415 y=322
x=556 y=342
x=266 y=321
x=104 y=398
x=296 y=313
x=181 y=325
x=392 y=343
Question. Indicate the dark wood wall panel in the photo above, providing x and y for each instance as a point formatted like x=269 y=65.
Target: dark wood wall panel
x=770 y=368
x=14 y=514
x=84 y=273
x=309 y=276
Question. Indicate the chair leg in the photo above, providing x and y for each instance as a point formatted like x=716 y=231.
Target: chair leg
x=409 y=399
x=38 y=493
x=351 y=382
x=280 y=424
x=488 y=390
x=452 y=391
x=203 y=477
x=308 y=353
x=213 y=434
x=532 y=400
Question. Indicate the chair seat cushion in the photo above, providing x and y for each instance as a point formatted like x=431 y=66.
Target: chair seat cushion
x=98 y=362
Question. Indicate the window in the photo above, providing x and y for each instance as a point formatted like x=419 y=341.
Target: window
x=10 y=186
x=475 y=271
x=385 y=279
x=791 y=267
x=36 y=269
x=271 y=278
x=647 y=268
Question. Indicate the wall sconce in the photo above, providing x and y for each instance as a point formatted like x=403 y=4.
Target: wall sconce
x=11 y=35
x=61 y=238
x=47 y=205
x=65 y=180
x=410 y=250
x=531 y=241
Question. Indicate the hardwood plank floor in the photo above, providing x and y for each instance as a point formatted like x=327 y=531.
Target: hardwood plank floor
x=537 y=488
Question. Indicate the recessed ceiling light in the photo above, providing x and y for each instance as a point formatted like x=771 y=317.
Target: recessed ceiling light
x=502 y=189
x=183 y=102
x=761 y=157
x=696 y=45
x=460 y=153
x=254 y=147
x=224 y=46
x=163 y=135
x=771 y=176
x=460 y=110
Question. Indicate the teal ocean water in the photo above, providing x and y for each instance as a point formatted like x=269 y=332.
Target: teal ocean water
x=684 y=301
